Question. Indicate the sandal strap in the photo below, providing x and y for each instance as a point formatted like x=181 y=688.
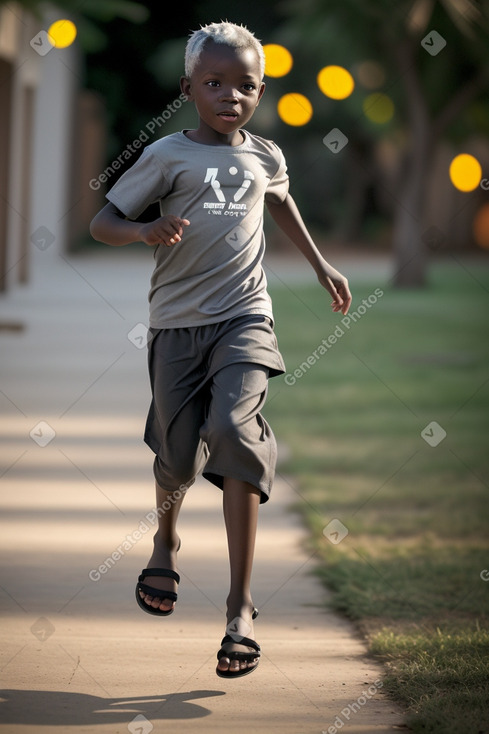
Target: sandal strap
x=248 y=657
x=159 y=572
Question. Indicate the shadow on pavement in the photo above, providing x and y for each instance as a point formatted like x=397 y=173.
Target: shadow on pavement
x=61 y=708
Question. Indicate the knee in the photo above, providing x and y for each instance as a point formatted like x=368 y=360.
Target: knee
x=221 y=429
x=173 y=476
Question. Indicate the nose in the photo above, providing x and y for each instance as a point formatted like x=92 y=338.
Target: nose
x=229 y=94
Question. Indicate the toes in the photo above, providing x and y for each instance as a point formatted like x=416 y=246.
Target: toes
x=226 y=665
x=146 y=598
x=155 y=602
x=229 y=666
x=165 y=606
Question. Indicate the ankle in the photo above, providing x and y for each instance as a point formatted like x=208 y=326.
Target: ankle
x=166 y=541
x=239 y=607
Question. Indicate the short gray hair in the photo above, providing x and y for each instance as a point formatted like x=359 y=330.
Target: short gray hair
x=236 y=36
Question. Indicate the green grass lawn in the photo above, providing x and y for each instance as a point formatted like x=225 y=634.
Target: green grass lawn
x=355 y=416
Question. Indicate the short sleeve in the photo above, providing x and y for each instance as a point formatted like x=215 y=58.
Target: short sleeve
x=278 y=188
x=143 y=184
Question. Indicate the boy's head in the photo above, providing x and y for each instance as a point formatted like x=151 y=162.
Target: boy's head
x=224 y=65
x=230 y=34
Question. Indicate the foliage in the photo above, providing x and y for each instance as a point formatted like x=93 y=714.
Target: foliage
x=134 y=60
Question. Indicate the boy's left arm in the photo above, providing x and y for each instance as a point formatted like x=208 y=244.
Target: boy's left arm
x=288 y=218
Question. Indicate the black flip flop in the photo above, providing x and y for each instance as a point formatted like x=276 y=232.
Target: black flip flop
x=159 y=593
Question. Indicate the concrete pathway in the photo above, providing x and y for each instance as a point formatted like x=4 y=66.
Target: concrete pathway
x=76 y=489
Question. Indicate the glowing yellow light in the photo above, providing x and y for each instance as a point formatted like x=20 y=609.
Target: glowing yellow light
x=62 y=33
x=278 y=60
x=465 y=172
x=481 y=227
x=370 y=74
x=294 y=109
x=378 y=108
x=335 y=82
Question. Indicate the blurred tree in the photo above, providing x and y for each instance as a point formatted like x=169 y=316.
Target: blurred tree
x=434 y=78
x=133 y=52
x=134 y=57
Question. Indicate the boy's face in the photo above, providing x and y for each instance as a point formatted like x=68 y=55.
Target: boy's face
x=226 y=87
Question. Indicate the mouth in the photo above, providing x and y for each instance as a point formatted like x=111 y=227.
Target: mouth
x=228 y=115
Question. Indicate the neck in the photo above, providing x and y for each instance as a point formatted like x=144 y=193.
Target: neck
x=208 y=136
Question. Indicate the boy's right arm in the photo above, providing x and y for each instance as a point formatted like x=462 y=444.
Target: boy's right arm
x=111 y=226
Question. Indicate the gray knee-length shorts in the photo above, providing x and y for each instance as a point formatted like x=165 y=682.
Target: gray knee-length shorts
x=209 y=384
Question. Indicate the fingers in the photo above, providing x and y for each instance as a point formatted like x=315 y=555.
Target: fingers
x=337 y=286
x=176 y=235
x=178 y=226
x=342 y=299
x=341 y=304
x=166 y=230
x=347 y=299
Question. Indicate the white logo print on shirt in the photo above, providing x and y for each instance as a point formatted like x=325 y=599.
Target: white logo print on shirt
x=233 y=209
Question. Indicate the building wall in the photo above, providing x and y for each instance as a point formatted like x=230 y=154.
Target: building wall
x=38 y=86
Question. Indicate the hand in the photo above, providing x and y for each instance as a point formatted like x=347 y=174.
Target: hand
x=337 y=285
x=167 y=230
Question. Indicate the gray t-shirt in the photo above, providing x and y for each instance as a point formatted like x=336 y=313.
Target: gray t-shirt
x=215 y=272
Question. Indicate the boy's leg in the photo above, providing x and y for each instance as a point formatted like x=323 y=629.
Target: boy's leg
x=242 y=459
x=184 y=455
x=165 y=545
x=240 y=505
x=172 y=431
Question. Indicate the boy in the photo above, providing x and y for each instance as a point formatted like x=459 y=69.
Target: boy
x=213 y=348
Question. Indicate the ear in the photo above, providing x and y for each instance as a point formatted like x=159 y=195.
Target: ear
x=261 y=91
x=185 y=87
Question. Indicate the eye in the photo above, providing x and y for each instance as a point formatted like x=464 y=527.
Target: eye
x=249 y=87
x=212 y=83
